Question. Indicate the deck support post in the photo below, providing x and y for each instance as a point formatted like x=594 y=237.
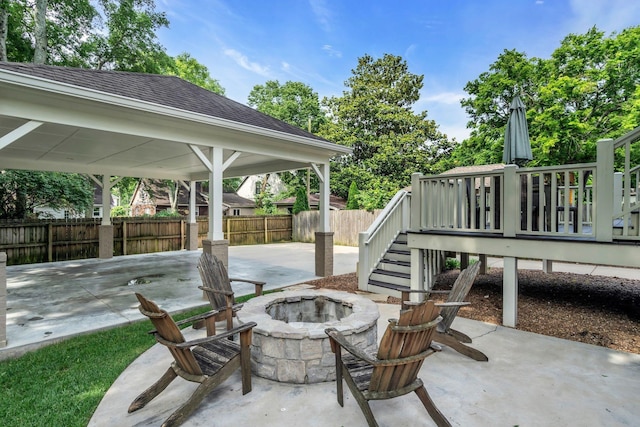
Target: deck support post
x=464 y=260
x=510 y=292
x=547 y=266
x=417 y=273
x=483 y=267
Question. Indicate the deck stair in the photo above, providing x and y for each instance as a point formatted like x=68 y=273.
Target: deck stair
x=393 y=272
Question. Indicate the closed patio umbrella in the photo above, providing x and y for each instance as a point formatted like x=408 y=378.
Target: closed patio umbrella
x=517 y=146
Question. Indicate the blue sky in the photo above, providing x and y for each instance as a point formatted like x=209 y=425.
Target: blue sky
x=318 y=42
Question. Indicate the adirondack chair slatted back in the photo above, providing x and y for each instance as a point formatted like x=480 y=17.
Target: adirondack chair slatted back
x=410 y=336
x=459 y=291
x=168 y=330
x=214 y=275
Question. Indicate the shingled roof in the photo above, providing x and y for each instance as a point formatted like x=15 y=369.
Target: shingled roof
x=169 y=91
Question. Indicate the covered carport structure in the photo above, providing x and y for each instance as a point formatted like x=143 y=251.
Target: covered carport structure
x=110 y=124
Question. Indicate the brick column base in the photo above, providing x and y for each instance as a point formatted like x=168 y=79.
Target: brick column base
x=219 y=248
x=324 y=254
x=105 y=241
x=192 y=236
x=3 y=299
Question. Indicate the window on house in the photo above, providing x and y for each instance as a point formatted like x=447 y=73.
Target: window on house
x=96 y=212
x=66 y=214
x=258 y=187
x=236 y=212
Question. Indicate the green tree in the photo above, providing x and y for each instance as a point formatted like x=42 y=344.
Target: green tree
x=68 y=26
x=297 y=104
x=584 y=92
x=302 y=202
x=375 y=117
x=352 y=200
x=23 y=191
x=127 y=39
x=293 y=102
x=188 y=68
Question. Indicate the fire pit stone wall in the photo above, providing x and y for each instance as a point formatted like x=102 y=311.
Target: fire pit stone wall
x=293 y=347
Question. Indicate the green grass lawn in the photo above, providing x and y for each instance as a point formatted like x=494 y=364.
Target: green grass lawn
x=62 y=384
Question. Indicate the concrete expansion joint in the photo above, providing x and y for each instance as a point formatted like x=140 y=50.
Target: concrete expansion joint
x=495 y=329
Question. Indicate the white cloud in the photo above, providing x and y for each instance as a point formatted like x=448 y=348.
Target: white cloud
x=322 y=13
x=331 y=51
x=448 y=98
x=244 y=62
x=285 y=66
x=607 y=15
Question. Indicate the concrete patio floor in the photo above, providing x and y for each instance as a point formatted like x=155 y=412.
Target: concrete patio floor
x=530 y=379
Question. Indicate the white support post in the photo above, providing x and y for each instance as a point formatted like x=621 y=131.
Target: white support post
x=417 y=272
x=192 y=202
x=511 y=201
x=604 y=191
x=215 y=195
x=106 y=200
x=617 y=193
x=510 y=292
x=105 y=231
x=192 y=225
x=324 y=235
x=416 y=202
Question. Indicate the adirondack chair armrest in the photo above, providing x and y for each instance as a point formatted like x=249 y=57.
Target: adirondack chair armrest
x=199 y=316
x=238 y=329
x=195 y=318
x=258 y=284
x=216 y=291
x=404 y=298
x=452 y=304
x=339 y=339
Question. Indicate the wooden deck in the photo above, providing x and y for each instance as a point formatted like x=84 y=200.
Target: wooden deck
x=584 y=213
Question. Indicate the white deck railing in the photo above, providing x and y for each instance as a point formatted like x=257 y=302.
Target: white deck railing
x=375 y=242
x=582 y=200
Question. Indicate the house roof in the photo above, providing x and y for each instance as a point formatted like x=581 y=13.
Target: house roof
x=335 y=202
x=139 y=125
x=159 y=193
x=170 y=91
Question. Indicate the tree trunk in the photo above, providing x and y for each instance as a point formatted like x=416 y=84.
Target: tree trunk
x=40 y=54
x=4 y=27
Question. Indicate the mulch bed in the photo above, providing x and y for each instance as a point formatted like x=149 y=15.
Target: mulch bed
x=597 y=310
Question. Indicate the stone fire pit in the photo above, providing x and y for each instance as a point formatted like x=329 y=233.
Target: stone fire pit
x=289 y=343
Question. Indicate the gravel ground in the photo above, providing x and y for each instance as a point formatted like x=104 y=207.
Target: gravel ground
x=597 y=310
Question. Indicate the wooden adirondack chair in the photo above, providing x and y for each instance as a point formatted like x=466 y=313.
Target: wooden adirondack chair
x=394 y=372
x=208 y=361
x=449 y=310
x=217 y=288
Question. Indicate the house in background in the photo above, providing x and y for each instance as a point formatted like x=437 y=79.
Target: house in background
x=251 y=186
x=335 y=203
x=45 y=212
x=152 y=196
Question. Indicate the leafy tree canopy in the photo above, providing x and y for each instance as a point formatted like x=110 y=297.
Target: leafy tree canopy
x=297 y=104
x=188 y=68
x=293 y=102
x=390 y=141
x=23 y=191
x=586 y=90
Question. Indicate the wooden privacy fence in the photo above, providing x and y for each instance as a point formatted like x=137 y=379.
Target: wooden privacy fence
x=60 y=240
x=346 y=225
